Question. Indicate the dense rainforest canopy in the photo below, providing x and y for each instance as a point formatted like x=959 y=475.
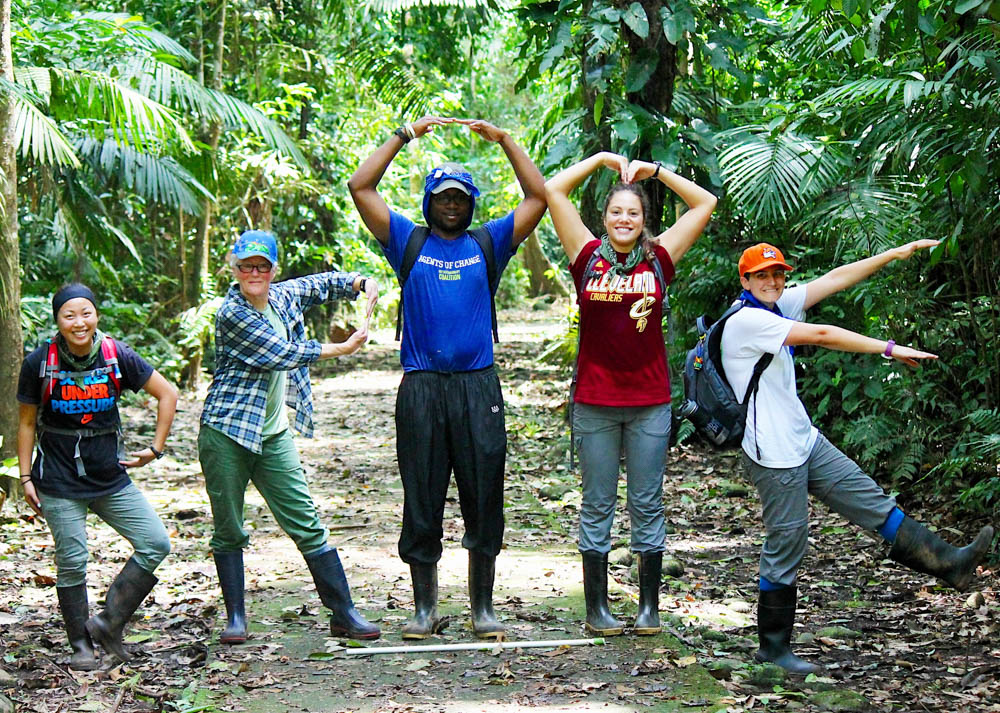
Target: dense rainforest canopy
x=137 y=144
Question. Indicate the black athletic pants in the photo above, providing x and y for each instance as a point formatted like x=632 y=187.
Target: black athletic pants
x=445 y=422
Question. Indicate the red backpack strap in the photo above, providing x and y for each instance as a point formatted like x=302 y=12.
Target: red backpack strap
x=49 y=366
x=109 y=350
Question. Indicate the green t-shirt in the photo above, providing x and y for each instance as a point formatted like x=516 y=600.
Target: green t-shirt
x=276 y=415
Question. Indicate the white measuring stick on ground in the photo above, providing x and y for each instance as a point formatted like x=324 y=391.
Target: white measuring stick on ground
x=479 y=646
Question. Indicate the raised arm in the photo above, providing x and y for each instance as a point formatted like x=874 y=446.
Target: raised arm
x=363 y=184
x=679 y=237
x=573 y=234
x=845 y=276
x=165 y=394
x=27 y=413
x=531 y=209
x=844 y=340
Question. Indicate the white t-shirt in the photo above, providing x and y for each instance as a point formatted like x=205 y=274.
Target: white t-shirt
x=777 y=421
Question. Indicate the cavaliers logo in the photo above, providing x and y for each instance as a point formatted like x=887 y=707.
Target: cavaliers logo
x=641 y=309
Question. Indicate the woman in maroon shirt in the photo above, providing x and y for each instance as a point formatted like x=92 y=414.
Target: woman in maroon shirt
x=622 y=395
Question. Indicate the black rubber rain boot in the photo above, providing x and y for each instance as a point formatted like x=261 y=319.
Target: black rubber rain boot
x=595 y=591
x=920 y=549
x=331 y=583
x=425 y=621
x=647 y=621
x=775 y=620
x=75 y=610
x=124 y=596
x=482 y=571
x=229 y=565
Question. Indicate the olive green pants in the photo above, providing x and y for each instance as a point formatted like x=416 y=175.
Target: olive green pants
x=276 y=473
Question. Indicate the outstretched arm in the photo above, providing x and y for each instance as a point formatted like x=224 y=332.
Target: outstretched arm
x=679 y=237
x=363 y=184
x=844 y=340
x=573 y=234
x=845 y=276
x=530 y=210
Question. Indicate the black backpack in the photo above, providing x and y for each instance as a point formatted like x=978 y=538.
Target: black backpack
x=710 y=403
x=415 y=243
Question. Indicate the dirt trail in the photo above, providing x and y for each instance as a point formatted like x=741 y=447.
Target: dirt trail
x=892 y=640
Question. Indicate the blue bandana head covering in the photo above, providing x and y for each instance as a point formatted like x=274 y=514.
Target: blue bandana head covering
x=450 y=175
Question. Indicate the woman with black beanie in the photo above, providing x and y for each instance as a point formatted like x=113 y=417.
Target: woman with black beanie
x=68 y=392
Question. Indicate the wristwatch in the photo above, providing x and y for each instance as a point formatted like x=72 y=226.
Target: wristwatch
x=362 y=284
x=156 y=453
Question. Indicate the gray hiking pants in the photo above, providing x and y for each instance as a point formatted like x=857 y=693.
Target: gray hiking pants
x=784 y=494
x=601 y=433
x=127 y=511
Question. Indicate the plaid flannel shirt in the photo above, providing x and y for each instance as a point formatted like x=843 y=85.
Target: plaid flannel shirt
x=247 y=350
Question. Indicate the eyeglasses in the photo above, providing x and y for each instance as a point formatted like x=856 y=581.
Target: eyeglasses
x=446 y=197
x=261 y=269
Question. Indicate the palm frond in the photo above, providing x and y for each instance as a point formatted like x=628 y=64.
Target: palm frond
x=772 y=176
x=238 y=114
x=141 y=35
x=872 y=211
x=157 y=178
x=393 y=81
x=97 y=103
x=37 y=136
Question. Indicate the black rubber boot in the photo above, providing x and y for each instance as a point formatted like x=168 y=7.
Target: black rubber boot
x=920 y=549
x=229 y=565
x=425 y=621
x=647 y=621
x=595 y=592
x=775 y=620
x=482 y=570
x=75 y=610
x=124 y=596
x=331 y=583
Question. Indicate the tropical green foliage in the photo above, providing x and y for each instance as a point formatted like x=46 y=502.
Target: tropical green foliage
x=834 y=128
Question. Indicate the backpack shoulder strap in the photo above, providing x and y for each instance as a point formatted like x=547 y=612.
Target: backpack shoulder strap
x=482 y=236
x=713 y=332
x=414 y=244
x=109 y=350
x=758 y=370
x=48 y=367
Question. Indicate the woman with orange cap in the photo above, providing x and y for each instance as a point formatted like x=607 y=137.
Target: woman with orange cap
x=787 y=458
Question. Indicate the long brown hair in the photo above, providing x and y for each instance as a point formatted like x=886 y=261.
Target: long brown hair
x=646 y=238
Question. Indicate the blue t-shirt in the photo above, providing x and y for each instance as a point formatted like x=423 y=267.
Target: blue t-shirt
x=94 y=406
x=447 y=321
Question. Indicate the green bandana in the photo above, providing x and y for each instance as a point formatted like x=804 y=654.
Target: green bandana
x=71 y=362
x=610 y=254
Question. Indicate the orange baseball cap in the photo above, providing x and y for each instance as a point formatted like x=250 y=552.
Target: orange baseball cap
x=760 y=257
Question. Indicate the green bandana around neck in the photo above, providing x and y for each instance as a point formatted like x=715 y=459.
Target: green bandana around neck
x=609 y=253
x=71 y=362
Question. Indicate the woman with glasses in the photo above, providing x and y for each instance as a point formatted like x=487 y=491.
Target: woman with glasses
x=68 y=392
x=262 y=365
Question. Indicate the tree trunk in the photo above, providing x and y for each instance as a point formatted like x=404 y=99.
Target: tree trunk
x=600 y=131
x=657 y=95
x=543 y=275
x=202 y=244
x=10 y=281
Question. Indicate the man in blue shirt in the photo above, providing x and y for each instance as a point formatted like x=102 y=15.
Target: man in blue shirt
x=449 y=409
x=262 y=365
